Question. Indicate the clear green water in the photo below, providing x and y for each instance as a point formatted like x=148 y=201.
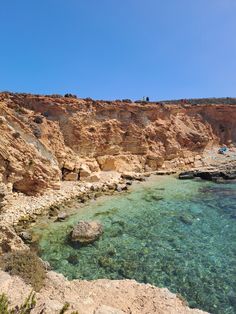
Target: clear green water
x=167 y=232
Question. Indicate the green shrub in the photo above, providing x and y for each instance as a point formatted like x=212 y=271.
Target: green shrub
x=26 y=265
x=25 y=308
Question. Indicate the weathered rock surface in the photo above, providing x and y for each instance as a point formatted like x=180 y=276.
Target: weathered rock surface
x=61 y=216
x=48 y=139
x=99 y=296
x=221 y=173
x=45 y=139
x=9 y=241
x=86 y=232
x=107 y=310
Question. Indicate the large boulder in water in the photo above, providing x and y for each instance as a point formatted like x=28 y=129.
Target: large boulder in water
x=86 y=232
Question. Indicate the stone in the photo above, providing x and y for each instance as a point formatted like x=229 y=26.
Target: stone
x=104 y=309
x=140 y=178
x=86 y=232
x=46 y=265
x=61 y=216
x=71 y=176
x=93 y=178
x=26 y=236
x=2 y=120
x=9 y=241
x=128 y=176
x=121 y=187
x=69 y=165
x=129 y=182
x=186 y=175
x=186 y=219
x=84 y=172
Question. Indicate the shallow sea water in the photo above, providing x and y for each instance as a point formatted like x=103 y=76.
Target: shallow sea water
x=166 y=232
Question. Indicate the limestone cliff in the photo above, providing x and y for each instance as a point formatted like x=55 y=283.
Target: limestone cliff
x=48 y=138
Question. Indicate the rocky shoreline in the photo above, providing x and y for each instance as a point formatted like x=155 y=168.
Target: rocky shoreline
x=22 y=210
x=56 y=149
x=12 y=220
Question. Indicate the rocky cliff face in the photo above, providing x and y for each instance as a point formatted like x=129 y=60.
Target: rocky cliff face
x=45 y=139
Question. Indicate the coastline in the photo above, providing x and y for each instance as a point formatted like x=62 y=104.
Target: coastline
x=103 y=292
x=21 y=208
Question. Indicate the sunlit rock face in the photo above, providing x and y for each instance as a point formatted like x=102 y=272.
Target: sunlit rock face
x=45 y=138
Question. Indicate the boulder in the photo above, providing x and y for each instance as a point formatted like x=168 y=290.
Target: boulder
x=69 y=165
x=71 y=176
x=86 y=232
x=95 y=177
x=121 y=187
x=84 y=171
x=26 y=236
x=61 y=216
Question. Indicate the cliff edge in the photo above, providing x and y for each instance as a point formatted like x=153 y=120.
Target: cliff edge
x=46 y=139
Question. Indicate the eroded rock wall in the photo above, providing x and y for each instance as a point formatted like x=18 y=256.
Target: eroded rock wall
x=45 y=139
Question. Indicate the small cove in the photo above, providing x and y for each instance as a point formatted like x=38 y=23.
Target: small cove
x=166 y=232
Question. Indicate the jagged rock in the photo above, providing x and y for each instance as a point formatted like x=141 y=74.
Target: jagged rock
x=61 y=216
x=93 y=178
x=46 y=265
x=84 y=172
x=69 y=165
x=121 y=187
x=26 y=236
x=109 y=136
x=71 y=176
x=9 y=241
x=133 y=176
x=86 y=232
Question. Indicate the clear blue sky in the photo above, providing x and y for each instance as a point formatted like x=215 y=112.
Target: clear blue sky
x=110 y=49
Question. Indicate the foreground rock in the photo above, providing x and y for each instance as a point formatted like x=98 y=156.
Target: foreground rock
x=86 y=232
x=99 y=296
x=9 y=241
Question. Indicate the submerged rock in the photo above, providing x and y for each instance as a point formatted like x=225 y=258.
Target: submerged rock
x=186 y=219
x=73 y=259
x=86 y=232
x=61 y=216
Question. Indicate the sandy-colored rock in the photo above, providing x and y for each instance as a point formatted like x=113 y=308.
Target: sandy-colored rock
x=69 y=165
x=71 y=176
x=9 y=241
x=87 y=297
x=86 y=232
x=95 y=177
x=43 y=137
x=84 y=171
x=104 y=309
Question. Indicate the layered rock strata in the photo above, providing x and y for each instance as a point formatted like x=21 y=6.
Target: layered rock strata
x=47 y=139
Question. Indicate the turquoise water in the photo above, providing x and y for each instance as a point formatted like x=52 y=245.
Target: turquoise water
x=167 y=232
